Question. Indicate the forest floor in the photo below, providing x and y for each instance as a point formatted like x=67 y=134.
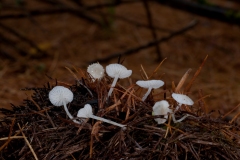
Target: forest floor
x=72 y=41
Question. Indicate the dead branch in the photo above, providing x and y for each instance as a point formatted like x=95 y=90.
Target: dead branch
x=21 y=37
x=147 y=45
x=213 y=11
x=153 y=31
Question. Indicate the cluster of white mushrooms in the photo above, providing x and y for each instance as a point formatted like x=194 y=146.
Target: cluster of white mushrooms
x=61 y=96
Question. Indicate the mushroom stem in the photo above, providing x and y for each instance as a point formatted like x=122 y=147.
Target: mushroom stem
x=106 y=120
x=181 y=119
x=66 y=110
x=178 y=106
x=69 y=114
x=113 y=85
x=146 y=94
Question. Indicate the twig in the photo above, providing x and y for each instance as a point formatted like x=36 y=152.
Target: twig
x=155 y=71
x=195 y=75
x=12 y=137
x=12 y=44
x=183 y=79
x=111 y=4
x=9 y=135
x=15 y=33
x=146 y=76
x=77 y=12
x=234 y=118
x=29 y=145
x=150 y=23
x=75 y=76
x=214 y=11
x=138 y=24
x=231 y=111
x=31 y=13
x=201 y=102
x=147 y=45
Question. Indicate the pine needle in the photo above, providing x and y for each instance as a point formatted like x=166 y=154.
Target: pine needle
x=183 y=79
x=155 y=71
x=187 y=89
x=29 y=145
x=144 y=72
x=75 y=76
x=235 y=117
x=173 y=86
x=12 y=137
x=231 y=111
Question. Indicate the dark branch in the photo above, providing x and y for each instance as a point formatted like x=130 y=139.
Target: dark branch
x=28 y=41
x=75 y=12
x=214 y=12
x=150 y=23
x=147 y=45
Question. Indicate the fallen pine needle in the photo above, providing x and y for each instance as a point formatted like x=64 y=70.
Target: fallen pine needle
x=155 y=71
x=183 y=79
x=231 y=111
x=144 y=72
x=29 y=145
x=12 y=137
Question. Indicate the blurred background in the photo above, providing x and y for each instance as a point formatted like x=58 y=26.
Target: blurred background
x=42 y=37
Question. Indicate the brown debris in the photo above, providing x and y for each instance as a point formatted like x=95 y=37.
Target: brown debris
x=52 y=136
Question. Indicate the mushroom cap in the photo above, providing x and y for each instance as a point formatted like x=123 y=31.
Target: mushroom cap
x=119 y=70
x=150 y=84
x=161 y=108
x=85 y=112
x=60 y=95
x=182 y=99
x=96 y=70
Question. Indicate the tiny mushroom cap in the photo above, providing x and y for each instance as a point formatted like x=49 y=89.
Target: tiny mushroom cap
x=85 y=112
x=161 y=108
x=59 y=96
x=150 y=84
x=117 y=71
x=182 y=99
x=96 y=70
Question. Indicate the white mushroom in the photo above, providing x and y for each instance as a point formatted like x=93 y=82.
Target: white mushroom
x=182 y=99
x=117 y=71
x=96 y=70
x=86 y=112
x=61 y=96
x=150 y=84
x=161 y=108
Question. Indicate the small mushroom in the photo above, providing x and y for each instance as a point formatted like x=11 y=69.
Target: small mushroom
x=182 y=99
x=117 y=71
x=96 y=70
x=150 y=84
x=161 y=108
x=59 y=96
x=86 y=112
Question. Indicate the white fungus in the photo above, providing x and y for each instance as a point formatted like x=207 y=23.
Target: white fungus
x=96 y=70
x=161 y=108
x=149 y=84
x=117 y=71
x=86 y=112
x=61 y=96
x=182 y=99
